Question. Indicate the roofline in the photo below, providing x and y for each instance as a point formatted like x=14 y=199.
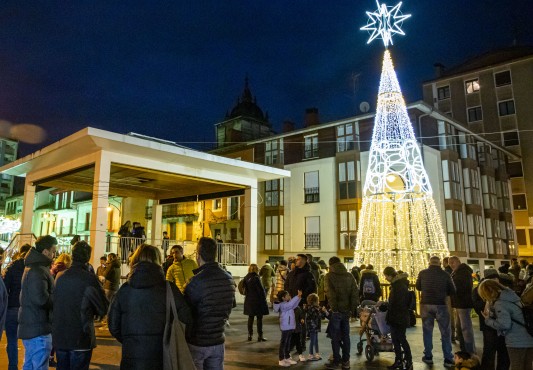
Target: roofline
x=477 y=70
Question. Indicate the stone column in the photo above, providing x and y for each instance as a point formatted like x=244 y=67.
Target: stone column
x=250 y=221
x=102 y=168
x=157 y=217
x=27 y=213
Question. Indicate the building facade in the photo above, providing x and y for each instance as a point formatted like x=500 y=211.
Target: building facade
x=8 y=153
x=491 y=95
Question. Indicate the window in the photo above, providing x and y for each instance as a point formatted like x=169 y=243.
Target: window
x=274 y=152
x=346 y=137
x=311 y=187
x=476 y=241
x=450 y=176
x=506 y=108
x=233 y=209
x=488 y=186
x=519 y=201
x=515 y=169
x=87 y=221
x=467 y=146
x=217 y=204
x=475 y=114
x=472 y=86
x=312 y=233
x=447 y=136
x=274 y=193
x=510 y=138
x=443 y=92
x=347 y=225
x=455 y=230
x=311 y=147
x=502 y=78
x=274 y=232
x=521 y=237
x=502 y=191
x=347 y=185
x=472 y=186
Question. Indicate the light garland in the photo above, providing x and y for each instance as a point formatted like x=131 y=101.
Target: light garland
x=9 y=226
x=399 y=224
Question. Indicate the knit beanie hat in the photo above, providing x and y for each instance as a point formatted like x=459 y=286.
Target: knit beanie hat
x=81 y=252
x=490 y=273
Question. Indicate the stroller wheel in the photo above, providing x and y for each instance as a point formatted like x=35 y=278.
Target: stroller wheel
x=369 y=352
x=359 y=348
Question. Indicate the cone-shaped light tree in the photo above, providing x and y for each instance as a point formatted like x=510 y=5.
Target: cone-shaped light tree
x=399 y=224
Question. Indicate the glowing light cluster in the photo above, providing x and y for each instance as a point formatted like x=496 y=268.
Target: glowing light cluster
x=8 y=226
x=399 y=224
x=385 y=22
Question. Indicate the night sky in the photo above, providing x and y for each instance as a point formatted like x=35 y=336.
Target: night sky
x=172 y=69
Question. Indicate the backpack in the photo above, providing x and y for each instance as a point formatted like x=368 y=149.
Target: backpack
x=527 y=312
x=368 y=286
x=242 y=287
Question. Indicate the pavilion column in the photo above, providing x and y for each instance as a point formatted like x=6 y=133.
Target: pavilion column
x=27 y=213
x=250 y=221
x=102 y=174
x=157 y=216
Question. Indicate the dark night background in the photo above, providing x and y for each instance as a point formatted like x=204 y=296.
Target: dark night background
x=171 y=69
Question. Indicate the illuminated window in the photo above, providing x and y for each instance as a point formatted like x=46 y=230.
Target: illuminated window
x=472 y=86
x=347 y=229
x=217 y=204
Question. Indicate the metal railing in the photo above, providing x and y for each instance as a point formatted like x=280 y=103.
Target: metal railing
x=233 y=254
x=14 y=245
x=312 y=240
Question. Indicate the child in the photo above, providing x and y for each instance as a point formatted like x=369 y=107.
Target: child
x=285 y=306
x=313 y=320
x=298 y=336
x=465 y=361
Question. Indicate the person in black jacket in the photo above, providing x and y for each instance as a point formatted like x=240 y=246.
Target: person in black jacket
x=254 y=302
x=369 y=287
x=137 y=315
x=12 y=281
x=493 y=344
x=210 y=293
x=301 y=278
x=78 y=297
x=35 y=313
x=398 y=317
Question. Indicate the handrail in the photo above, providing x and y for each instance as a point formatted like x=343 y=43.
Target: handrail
x=13 y=246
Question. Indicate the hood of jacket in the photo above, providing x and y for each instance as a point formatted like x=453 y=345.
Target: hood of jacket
x=282 y=268
x=146 y=275
x=399 y=277
x=36 y=258
x=338 y=268
x=464 y=268
x=509 y=296
x=369 y=272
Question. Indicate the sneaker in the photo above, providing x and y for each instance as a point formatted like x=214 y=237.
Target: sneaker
x=448 y=363
x=428 y=360
x=284 y=363
x=333 y=366
x=302 y=358
x=290 y=361
x=311 y=357
x=318 y=357
x=346 y=365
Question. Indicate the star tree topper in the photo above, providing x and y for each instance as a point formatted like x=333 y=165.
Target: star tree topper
x=385 y=22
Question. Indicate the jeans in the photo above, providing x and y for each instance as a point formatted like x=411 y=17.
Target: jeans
x=339 y=331
x=37 y=352
x=464 y=330
x=494 y=345
x=73 y=360
x=12 y=325
x=313 y=342
x=399 y=341
x=259 y=325
x=285 y=344
x=430 y=313
x=208 y=358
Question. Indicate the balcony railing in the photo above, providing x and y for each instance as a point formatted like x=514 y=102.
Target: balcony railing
x=186 y=209
x=312 y=240
x=312 y=195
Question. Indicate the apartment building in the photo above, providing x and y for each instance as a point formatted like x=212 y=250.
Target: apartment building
x=491 y=95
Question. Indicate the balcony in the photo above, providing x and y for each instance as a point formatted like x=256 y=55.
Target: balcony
x=312 y=195
x=312 y=240
x=186 y=209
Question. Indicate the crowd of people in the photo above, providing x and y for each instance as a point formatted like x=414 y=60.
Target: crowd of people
x=302 y=291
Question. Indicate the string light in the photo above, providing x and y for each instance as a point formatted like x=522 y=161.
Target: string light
x=399 y=223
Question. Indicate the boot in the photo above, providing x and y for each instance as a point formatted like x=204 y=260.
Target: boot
x=260 y=338
x=249 y=337
x=397 y=365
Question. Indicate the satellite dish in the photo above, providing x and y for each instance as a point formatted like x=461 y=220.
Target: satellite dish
x=364 y=107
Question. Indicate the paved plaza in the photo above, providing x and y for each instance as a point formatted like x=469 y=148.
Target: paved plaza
x=241 y=354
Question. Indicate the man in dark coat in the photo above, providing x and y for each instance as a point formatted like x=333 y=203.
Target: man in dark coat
x=254 y=302
x=341 y=291
x=13 y=280
x=301 y=278
x=462 y=302
x=493 y=344
x=446 y=266
x=435 y=285
x=35 y=313
x=210 y=293
x=398 y=317
x=78 y=297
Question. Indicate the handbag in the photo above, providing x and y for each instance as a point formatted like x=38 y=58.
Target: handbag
x=176 y=354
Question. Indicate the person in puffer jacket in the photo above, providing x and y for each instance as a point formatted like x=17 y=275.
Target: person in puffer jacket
x=503 y=312
x=285 y=306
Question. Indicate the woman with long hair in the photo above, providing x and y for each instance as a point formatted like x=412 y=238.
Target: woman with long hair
x=255 y=304
x=503 y=312
x=137 y=314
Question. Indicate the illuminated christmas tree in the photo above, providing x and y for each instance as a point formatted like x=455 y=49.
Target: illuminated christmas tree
x=399 y=224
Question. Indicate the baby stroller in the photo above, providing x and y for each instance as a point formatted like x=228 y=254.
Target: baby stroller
x=374 y=330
